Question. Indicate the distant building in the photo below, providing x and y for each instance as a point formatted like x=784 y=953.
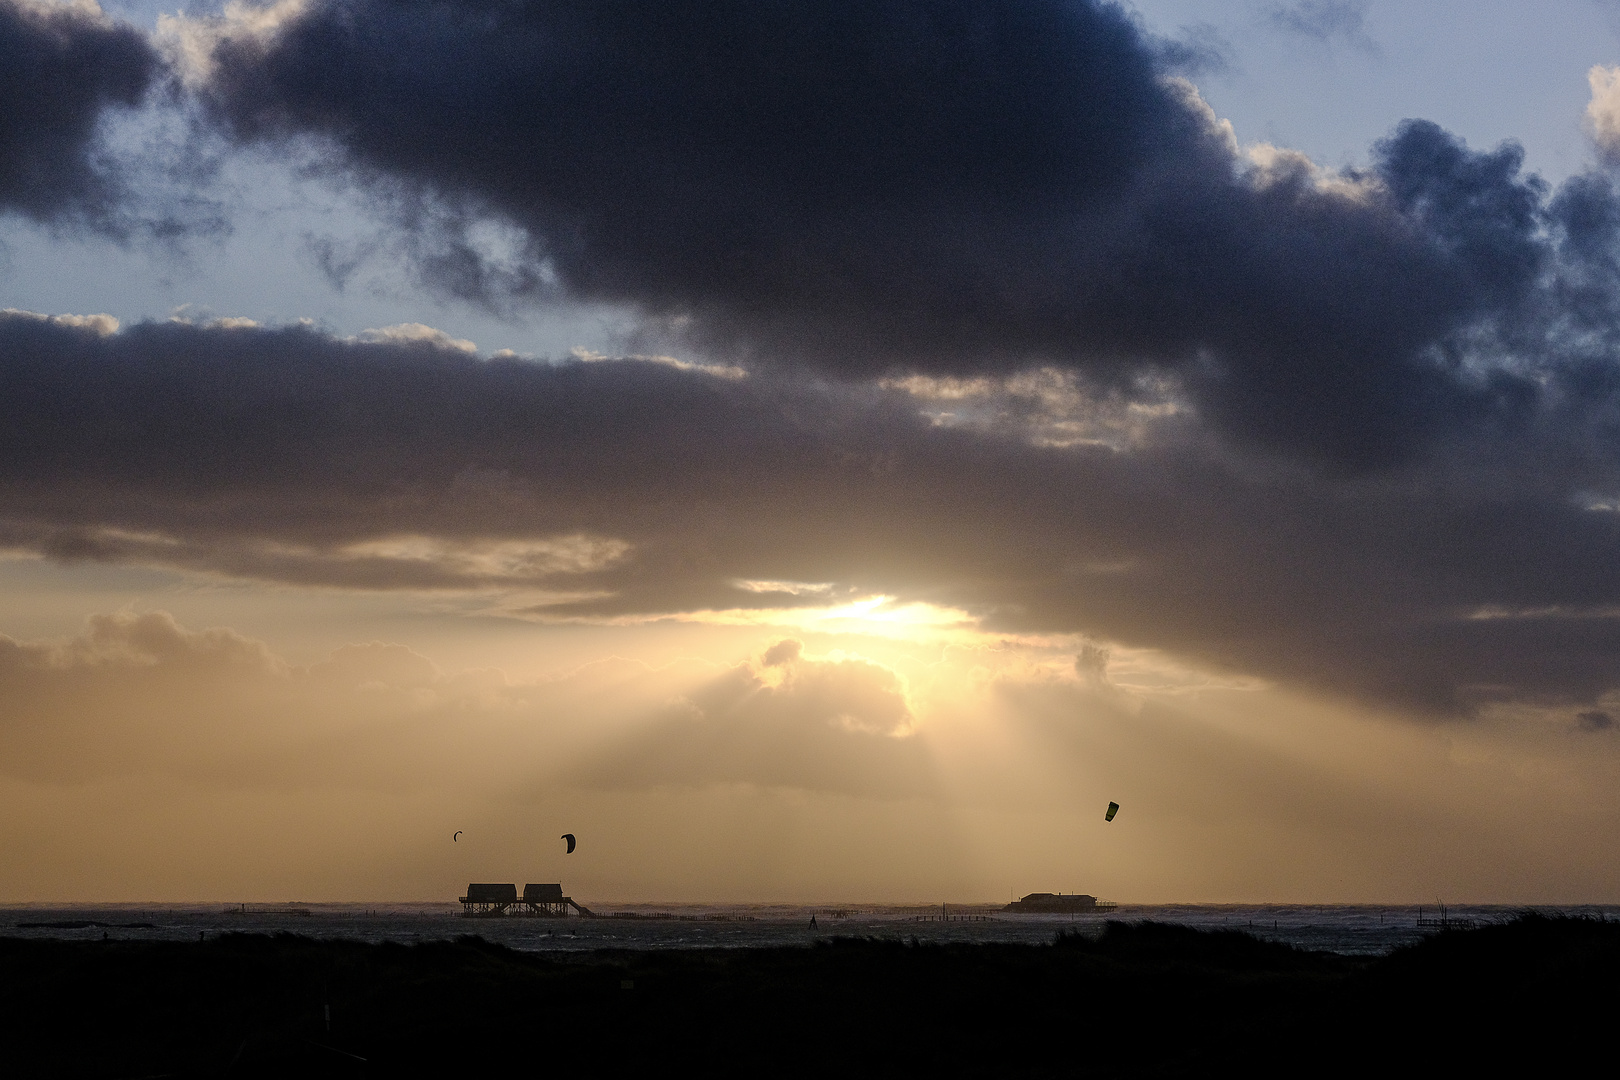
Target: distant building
x=541 y=900
x=488 y=899
x=545 y=900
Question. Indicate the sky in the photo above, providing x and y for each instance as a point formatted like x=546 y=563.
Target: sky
x=810 y=451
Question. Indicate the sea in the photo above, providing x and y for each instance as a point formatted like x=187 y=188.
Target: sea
x=1348 y=929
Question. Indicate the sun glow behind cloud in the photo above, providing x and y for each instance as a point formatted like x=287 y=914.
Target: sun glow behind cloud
x=876 y=616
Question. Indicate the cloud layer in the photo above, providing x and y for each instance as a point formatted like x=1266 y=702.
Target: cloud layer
x=901 y=186
x=62 y=66
x=984 y=309
x=620 y=489
x=891 y=189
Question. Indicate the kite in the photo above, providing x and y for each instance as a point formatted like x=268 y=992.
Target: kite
x=457 y=837
x=568 y=836
x=1113 y=808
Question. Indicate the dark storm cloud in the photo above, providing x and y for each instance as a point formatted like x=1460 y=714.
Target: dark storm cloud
x=62 y=68
x=947 y=186
x=1487 y=571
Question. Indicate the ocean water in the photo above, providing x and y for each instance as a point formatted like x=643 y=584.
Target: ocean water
x=1349 y=929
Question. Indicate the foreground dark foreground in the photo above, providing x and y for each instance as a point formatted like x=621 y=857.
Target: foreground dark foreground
x=1141 y=1000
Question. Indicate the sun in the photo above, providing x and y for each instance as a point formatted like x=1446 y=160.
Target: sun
x=876 y=615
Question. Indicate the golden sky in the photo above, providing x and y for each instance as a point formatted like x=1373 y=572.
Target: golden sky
x=203 y=740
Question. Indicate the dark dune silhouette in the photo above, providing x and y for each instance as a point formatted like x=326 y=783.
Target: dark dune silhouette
x=1141 y=999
